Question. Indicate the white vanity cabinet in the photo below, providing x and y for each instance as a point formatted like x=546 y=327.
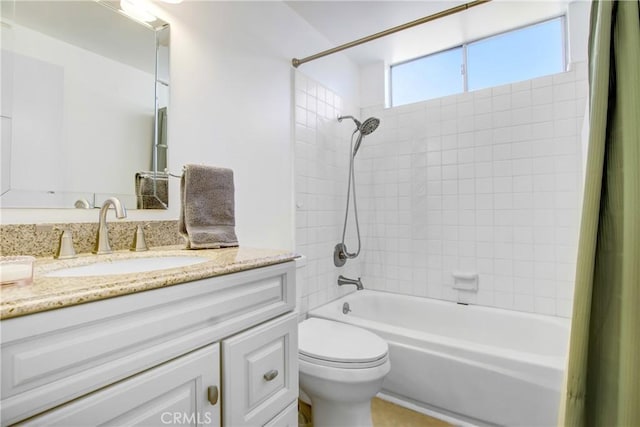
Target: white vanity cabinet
x=182 y=355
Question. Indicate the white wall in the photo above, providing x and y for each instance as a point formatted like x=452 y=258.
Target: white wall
x=487 y=182
x=578 y=14
x=231 y=105
x=374 y=84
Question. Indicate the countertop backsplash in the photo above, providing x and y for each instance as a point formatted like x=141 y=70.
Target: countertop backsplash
x=41 y=240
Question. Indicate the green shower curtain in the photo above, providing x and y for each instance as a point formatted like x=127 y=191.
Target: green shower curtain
x=603 y=380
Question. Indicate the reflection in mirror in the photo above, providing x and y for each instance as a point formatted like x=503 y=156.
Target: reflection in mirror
x=84 y=99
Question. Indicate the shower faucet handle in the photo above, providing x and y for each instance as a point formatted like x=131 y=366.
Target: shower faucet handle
x=340 y=255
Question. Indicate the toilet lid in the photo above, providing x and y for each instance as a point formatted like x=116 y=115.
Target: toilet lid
x=338 y=342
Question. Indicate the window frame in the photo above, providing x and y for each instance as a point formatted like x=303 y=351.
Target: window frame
x=463 y=65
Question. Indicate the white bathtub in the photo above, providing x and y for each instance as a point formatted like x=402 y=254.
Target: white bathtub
x=478 y=364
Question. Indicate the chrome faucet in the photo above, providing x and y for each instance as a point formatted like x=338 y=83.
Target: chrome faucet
x=346 y=281
x=102 y=239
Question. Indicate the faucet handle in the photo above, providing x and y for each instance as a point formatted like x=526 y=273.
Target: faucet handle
x=139 y=243
x=65 y=247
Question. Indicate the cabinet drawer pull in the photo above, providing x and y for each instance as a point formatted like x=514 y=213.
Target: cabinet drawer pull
x=270 y=375
x=212 y=394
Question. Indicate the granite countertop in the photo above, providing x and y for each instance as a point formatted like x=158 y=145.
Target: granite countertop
x=48 y=293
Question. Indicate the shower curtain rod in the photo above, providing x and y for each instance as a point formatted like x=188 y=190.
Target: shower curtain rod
x=297 y=62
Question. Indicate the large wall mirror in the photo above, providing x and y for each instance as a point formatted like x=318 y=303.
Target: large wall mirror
x=85 y=92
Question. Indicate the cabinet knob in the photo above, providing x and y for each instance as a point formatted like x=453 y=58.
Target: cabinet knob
x=270 y=375
x=212 y=394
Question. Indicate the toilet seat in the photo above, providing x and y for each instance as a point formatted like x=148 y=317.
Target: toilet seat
x=339 y=345
x=343 y=365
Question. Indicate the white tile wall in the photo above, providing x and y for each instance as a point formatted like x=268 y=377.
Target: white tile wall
x=486 y=181
x=321 y=173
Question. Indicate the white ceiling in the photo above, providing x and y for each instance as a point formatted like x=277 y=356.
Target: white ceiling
x=345 y=21
x=339 y=21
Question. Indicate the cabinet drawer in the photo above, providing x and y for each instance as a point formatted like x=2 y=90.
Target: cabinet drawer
x=173 y=393
x=260 y=372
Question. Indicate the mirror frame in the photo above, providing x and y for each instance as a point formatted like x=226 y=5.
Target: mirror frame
x=160 y=167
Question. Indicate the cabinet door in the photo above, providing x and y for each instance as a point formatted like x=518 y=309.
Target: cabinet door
x=180 y=392
x=286 y=418
x=260 y=372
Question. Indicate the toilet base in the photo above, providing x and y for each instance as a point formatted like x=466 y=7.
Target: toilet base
x=341 y=397
x=334 y=414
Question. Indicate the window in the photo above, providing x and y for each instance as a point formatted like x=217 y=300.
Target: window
x=522 y=54
x=429 y=77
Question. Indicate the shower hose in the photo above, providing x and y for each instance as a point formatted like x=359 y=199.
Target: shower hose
x=352 y=182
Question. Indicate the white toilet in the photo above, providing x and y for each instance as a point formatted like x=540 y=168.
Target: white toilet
x=341 y=369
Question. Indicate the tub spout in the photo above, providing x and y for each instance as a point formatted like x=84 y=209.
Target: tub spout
x=346 y=281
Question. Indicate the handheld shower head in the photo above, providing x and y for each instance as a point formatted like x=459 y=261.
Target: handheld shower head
x=369 y=125
x=367 y=128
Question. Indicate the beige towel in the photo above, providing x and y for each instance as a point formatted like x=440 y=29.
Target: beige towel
x=207 y=214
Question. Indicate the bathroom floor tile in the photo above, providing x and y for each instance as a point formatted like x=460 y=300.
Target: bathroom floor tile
x=384 y=414
x=387 y=414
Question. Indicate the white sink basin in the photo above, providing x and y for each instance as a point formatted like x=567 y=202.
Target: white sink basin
x=127 y=266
